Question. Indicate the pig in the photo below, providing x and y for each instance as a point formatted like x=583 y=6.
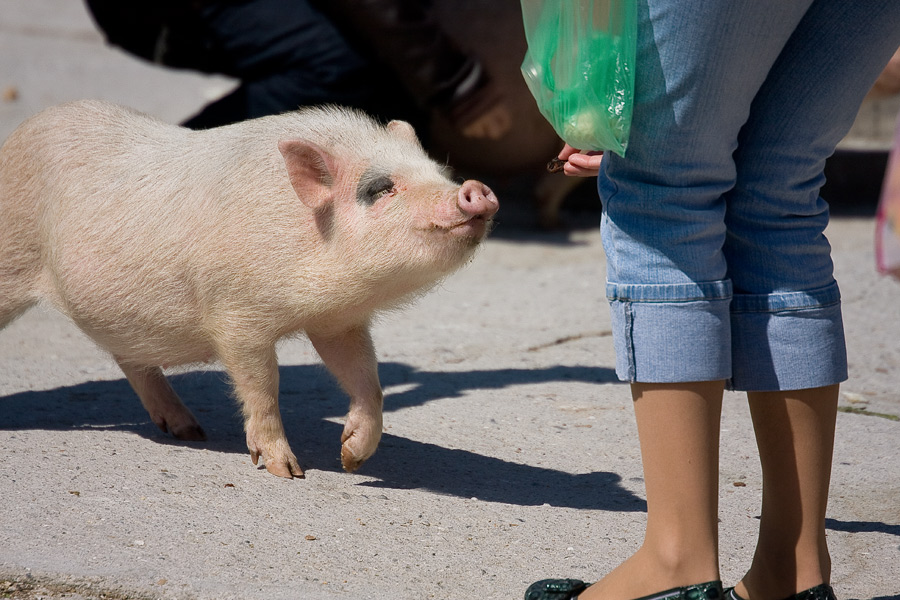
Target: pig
x=169 y=247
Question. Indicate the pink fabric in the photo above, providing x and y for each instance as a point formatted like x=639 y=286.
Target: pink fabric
x=887 y=220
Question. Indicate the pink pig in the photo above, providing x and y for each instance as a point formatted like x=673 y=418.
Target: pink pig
x=168 y=246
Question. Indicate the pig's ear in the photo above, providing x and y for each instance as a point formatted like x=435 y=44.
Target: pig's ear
x=311 y=170
x=404 y=131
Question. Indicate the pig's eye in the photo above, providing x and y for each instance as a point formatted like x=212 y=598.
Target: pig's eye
x=375 y=189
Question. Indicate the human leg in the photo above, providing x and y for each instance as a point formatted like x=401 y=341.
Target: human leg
x=678 y=428
x=667 y=217
x=795 y=435
x=663 y=230
x=786 y=322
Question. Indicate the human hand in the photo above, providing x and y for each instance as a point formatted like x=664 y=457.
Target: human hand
x=493 y=124
x=580 y=164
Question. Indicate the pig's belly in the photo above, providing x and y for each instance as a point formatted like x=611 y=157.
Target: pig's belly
x=146 y=318
x=149 y=346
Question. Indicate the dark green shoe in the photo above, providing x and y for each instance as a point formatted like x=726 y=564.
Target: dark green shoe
x=569 y=589
x=555 y=589
x=820 y=592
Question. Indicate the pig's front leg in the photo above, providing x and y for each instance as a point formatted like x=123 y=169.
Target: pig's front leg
x=254 y=375
x=350 y=356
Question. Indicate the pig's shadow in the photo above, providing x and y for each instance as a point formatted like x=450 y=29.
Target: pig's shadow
x=310 y=398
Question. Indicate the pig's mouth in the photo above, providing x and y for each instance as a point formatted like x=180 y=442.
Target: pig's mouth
x=473 y=227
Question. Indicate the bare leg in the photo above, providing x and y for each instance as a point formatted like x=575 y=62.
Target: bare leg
x=795 y=435
x=350 y=356
x=162 y=403
x=678 y=427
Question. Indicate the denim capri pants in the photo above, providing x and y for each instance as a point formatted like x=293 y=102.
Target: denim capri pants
x=717 y=263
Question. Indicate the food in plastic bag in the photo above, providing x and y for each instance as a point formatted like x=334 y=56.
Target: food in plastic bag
x=580 y=68
x=887 y=220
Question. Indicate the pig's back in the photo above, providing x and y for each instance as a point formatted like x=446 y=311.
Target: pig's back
x=90 y=150
x=107 y=177
x=119 y=200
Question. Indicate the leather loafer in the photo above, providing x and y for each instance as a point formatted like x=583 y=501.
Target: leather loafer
x=569 y=589
x=820 y=592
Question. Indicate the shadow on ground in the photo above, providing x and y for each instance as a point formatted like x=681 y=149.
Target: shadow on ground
x=310 y=400
x=863 y=527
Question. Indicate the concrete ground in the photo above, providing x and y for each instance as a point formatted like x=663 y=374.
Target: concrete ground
x=509 y=452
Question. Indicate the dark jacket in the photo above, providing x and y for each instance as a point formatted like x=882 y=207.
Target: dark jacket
x=401 y=34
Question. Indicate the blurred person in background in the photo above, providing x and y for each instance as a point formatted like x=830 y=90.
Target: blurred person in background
x=389 y=58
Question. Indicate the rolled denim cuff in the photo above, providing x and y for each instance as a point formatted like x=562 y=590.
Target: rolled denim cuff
x=677 y=333
x=671 y=333
x=788 y=341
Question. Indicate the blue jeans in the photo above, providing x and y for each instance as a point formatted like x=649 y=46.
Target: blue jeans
x=717 y=264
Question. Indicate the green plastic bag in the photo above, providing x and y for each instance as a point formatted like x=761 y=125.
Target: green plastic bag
x=580 y=68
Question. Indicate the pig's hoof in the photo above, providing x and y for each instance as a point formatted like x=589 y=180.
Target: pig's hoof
x=359 y=440
x=288 y=470
x=356 y=449
x=286 y=467
x=190 y=433
x=349 y=461
x=181 y=427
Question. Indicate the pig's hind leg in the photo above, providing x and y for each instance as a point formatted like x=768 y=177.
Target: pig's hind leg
x=20 y=268
x=350 y=356
x=18 y=287
x=162 y=403
x=12 y=306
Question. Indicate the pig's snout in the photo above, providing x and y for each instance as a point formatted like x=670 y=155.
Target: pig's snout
x=477 y=200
